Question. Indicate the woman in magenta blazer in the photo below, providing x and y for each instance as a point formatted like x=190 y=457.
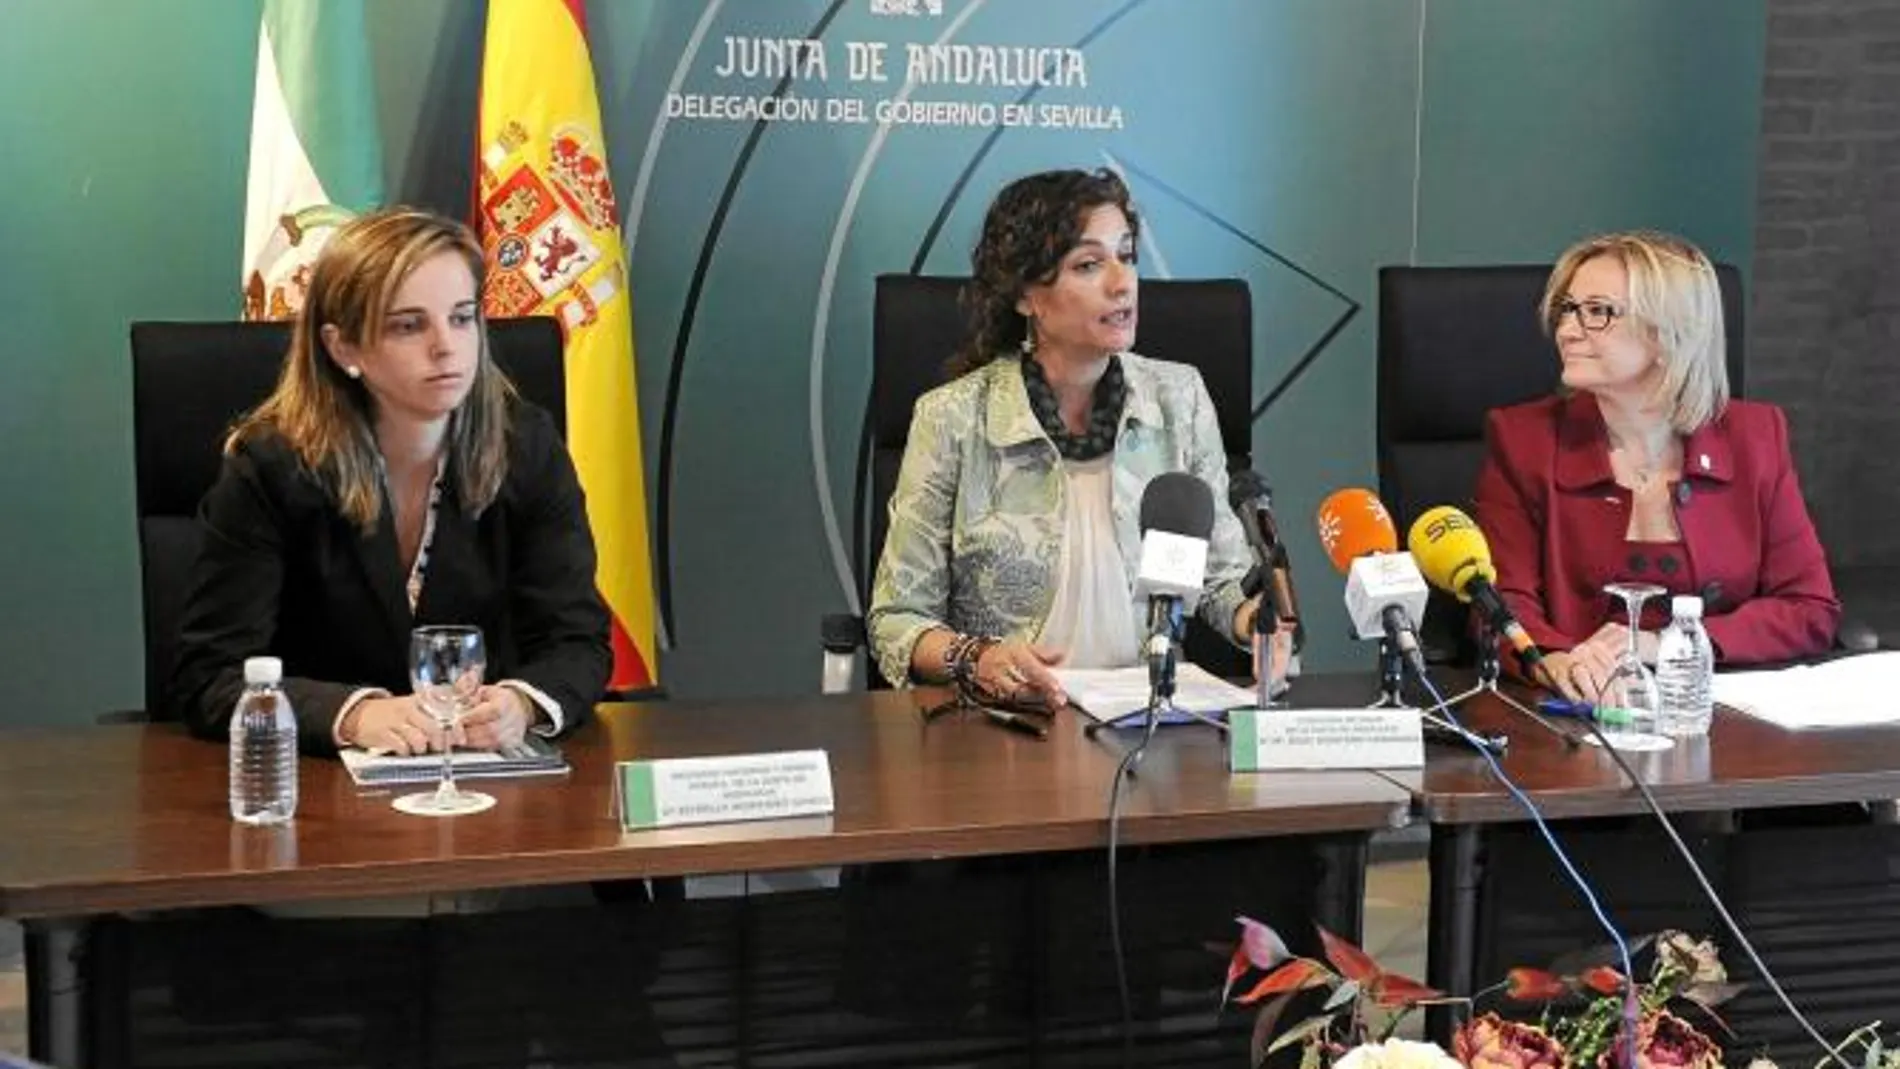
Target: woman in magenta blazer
x=1644 y=470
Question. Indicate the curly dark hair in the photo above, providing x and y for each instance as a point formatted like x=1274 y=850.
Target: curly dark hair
x=1030 y=226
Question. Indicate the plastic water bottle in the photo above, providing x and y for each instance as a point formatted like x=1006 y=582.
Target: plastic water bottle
x=1685 y=670
x=843 y=634
x=263 y=747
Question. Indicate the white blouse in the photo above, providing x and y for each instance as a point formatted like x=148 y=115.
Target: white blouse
x=1093 y=619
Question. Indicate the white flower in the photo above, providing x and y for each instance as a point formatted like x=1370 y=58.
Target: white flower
x=1397 y=1054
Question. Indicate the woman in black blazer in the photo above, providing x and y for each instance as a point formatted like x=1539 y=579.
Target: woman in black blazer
x=393 y=479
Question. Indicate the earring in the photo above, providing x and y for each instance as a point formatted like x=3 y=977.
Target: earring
x=1029 y=336
x=353 y=371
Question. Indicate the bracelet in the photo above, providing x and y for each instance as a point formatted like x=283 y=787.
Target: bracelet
x=961 y=655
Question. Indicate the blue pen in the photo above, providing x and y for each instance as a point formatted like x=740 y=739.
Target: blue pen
x=1566 y=707
x=1610 y=715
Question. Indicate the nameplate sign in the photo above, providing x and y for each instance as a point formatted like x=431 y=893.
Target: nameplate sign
x=714 y=790
x=1261 y=740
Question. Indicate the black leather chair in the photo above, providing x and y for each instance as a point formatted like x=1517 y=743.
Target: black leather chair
x=918 y=321
x=1454 y=343
x=190 y=383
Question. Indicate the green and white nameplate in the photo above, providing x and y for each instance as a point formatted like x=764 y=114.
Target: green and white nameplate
x=1260 y=740
x=713 y=790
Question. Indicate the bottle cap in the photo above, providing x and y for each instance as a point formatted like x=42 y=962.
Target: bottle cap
x=260 y=671
x=1686 y=605
x=841 y=632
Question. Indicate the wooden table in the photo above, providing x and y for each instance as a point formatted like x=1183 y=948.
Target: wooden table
x=1743 y=764
x=108 y=819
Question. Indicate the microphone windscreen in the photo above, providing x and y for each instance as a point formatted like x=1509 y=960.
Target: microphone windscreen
x=1178 y=503
x=1451 y=550
x=1352 y=523
x=1244 y=486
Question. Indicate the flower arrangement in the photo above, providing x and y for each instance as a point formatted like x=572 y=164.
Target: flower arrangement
x=1581 y=1004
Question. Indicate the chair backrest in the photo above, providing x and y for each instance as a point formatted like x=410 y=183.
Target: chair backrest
x=1454 y=343
x=918 y=322
x=190 y=383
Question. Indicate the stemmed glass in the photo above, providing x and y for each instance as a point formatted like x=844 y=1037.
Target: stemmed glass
x=1630 y=694
x=445 y=670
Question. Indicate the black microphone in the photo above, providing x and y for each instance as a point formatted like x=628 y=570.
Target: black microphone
x=1252 y=500
x=1178 y=503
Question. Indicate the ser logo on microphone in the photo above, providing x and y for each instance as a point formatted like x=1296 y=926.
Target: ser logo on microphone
x=1437 y=529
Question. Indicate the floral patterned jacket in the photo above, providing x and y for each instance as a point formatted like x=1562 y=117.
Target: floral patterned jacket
x=976 y=520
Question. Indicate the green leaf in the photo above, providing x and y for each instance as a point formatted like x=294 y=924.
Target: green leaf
x=1873 y=1054
x=1307 y=1029
x=1342 y=994
x=1263 y=1028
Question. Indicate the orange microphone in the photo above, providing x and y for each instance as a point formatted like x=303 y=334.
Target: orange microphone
x=1385 y=594
x=1352 y=523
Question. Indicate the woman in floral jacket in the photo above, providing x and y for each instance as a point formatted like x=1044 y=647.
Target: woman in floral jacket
x=1013 y=537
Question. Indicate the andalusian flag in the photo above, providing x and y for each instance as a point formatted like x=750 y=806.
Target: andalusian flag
x=315 y=155
x=552 y=236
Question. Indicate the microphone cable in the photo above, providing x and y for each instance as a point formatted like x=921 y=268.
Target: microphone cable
x=1563 y=859
x=1125 y=770
x=1831 y=1051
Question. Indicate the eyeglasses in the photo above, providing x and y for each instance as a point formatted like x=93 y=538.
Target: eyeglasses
x=1591 y=315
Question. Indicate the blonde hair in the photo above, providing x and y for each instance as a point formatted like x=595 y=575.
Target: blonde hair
x=1673 y=294
x=327 y=417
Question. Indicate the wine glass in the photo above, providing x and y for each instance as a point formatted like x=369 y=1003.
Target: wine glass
x=1630 y=704
x=445 y=669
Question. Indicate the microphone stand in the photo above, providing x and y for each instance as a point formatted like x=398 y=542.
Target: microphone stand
x=1164 y=644
x=1391 y=676
x=1490 y=669
x=1437 y=728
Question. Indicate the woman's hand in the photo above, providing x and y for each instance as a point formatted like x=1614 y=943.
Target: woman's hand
x=1582 y=672
x=1018 y=671
x=499 y=720
x=393 y=725
x=1279 y=644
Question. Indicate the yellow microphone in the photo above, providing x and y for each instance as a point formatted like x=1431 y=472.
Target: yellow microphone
x=1455 y=558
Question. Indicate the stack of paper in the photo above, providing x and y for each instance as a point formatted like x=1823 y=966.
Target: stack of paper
x=1849 y=692
x=535 y=756
x=1108 y=693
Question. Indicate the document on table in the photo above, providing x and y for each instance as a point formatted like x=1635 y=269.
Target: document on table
x=535 y=756
x=1107 y=693
x=1850 y=692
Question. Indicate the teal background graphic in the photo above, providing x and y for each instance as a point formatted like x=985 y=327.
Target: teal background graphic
x=1334 y=136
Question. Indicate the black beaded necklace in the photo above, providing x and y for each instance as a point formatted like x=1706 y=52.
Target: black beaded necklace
x=1105 y=410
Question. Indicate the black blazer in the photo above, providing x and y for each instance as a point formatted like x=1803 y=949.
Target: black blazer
x=283 y=573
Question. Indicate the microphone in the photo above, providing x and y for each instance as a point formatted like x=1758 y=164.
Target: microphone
x=1252 y=500
x=1177 y=522
x=1455 y=558
x=1385 y=593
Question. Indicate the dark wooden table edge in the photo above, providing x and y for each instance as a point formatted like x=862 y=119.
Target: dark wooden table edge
x=633 y=861
x=1501 y=808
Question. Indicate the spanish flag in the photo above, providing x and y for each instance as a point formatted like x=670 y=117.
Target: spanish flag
x=551 y=232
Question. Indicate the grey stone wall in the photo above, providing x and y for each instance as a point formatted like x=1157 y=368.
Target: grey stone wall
x=1826 y=317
